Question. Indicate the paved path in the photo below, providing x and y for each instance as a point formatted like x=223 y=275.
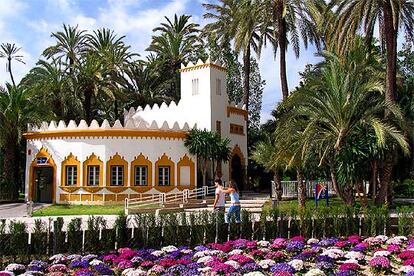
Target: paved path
x=15 y=210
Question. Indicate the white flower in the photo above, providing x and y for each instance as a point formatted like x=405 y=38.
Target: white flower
x=355 y=255
x=169 y=249
x=236 y=251
x=204 y=269
x=397 y=240
x=233 y=264
x=297 y=264
x=255 y=273
x=263 y=243
x=157 y=253
x=186 y=251
x=134 y=272
x=58 y=258
x=382 y=238
x=315 y=272
x=265 y=264
x=351 y=261
x=205 y=259
x=15 y=267
x=383 y=253
x=334 y=253
x=74 y=257
x=95 y=262
x=200 y=254
x=312 y=241
x=406 y=268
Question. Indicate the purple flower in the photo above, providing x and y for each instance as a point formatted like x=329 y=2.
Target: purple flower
x=380 y=262
x=250 y=267
x=324 y=258
x=177 y=269
x=294 y=246
x=346 y=273
x=79 y=264
x=37 y=265
x=328 y=242
x=84 y=272
x=194 y=266
x=125 y=264
x=103 y=269
x=282 y=267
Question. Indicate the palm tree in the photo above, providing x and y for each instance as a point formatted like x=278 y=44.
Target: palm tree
x=16 y=111
x=238 y=20
x=287 y=21
x=70 y=45
x=51 y=86
x=390 y=15
x=177 y=42
x=10 y=52
x=207 y=146
x=343 y=99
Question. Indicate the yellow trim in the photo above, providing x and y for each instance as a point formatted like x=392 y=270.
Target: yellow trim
x=201 y=66
x=70 y=160
x=236 y=110
x=92 y=189
x=116 y=189
x=141 y=160
x=92 y=160
x=51 y=163
x=185 y=161
x=164 y=160
x=116 y=160
x=69 y=189
x=77 y=133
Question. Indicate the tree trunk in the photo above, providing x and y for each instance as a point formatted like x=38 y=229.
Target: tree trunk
x=301 y=189
x=246 y=77
x=10 y=71
x=87 y=105
x=347 y=193
x=385 y=180
x=373 y=181
x=277 y=187
x=282 y=48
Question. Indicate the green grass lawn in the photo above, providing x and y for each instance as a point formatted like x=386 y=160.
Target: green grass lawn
x=68 y=210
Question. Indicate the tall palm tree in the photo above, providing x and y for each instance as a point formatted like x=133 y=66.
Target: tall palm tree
x=177 y=42
x=343 y=99
x=390 y=15
x=71 y=43
x=16 y=111
x=285 y=23
x=10 y=52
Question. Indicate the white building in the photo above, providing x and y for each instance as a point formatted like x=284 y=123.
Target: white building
x=93 y=164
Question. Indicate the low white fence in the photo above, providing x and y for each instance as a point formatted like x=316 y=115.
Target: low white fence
x=290 y=188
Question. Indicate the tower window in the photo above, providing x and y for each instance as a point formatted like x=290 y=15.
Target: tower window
x=194 y=83
x=218 y=86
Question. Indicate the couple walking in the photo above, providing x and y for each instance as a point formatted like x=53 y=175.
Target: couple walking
x=220 y=200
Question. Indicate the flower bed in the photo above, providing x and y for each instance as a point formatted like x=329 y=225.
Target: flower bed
x=354 y=255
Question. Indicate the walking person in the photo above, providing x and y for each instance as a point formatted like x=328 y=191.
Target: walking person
x=235 y=202
x=219 y=204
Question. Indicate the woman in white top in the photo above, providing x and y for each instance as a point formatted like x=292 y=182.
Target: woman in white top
x=219 y=200
x=235 y=202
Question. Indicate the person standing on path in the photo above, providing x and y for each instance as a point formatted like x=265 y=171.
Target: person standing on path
x=235 y=202
x=219 y=204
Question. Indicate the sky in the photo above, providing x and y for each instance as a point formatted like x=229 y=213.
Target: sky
x=29 y=23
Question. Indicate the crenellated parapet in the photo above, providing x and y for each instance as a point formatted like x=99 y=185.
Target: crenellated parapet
x=129 y=124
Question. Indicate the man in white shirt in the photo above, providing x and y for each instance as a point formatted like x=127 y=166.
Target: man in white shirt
x=219 y=200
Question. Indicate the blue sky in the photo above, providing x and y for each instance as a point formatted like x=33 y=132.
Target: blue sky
x=29 y=23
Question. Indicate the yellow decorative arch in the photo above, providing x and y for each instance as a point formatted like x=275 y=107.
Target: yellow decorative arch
x=116 y=160
x=164 y=160
x=92 y=160
x=185 y=161
x=50 y=163
x=141 y=160
x=70 y=160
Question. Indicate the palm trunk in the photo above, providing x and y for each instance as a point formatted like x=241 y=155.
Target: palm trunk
x=282 y=48
x=10 y=72
x=346 y=193
x=373 y=181
x=385 y=180
x=391 y=51
x=277 y=188
x=301 y=189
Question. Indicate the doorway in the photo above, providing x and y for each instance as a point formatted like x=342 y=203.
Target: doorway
x=43 y=188
x=237 y=171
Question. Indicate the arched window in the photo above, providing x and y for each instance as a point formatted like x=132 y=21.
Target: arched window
x=70 y=171
x=185 y=173
x=116 y=171
x=93 y=171
x=141 y=174
x=164 y=174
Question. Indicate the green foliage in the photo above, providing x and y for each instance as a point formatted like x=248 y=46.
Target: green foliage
x=93 y=242
x=39 y=238
x=405 y=219
x=121 y=226
x=18 y=238
x=404 y=189
x=75 y=236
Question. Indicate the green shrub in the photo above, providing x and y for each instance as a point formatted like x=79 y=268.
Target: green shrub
x=75 y=236
x=39 y=238
x=92 y=242
x=404 y=189
x=18 y=238
x=246 y=225
x=121 y=229
x=405 y=218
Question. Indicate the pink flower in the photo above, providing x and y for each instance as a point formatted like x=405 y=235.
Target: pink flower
x=278 y=243
x=298 y=238
x=147 y=264
x=167 y=262
x=354 y=239
x=341 y=244
x=380 y=262
x=406 y=254
x=125 y=264
x=393 y=248
x=409 y=262
x=348 y=266
x=241 y=259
